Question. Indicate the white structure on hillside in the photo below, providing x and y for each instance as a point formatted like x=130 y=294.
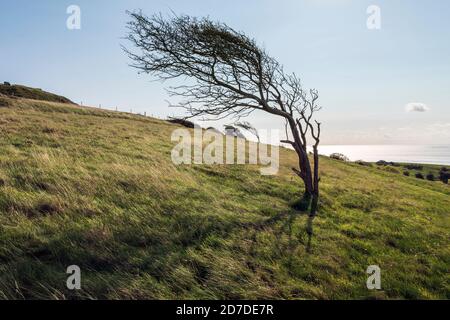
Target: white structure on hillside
x=233 y=131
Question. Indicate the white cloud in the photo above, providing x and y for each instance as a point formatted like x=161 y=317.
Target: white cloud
x=416 y=107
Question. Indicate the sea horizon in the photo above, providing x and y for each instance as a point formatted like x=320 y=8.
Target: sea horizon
x=438 y=154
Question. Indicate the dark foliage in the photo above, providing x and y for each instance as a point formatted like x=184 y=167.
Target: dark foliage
x=444 y=176
x=414 y=167
x=386 y=163
x=363 y=163
x=183 y=122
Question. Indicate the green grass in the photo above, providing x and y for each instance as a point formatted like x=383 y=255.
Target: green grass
x=98 y=189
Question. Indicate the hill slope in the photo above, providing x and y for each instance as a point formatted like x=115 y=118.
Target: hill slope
x=98 y=189
x=18 y=91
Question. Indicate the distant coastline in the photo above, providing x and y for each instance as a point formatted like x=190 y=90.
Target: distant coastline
x=425 y=154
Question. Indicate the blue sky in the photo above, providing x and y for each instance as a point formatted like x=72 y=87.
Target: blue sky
x=365 y=77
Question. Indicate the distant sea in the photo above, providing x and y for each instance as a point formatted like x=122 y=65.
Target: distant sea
x=431 y=154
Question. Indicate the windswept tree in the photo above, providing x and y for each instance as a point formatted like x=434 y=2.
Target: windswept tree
x=247 y=126
x=229 y=76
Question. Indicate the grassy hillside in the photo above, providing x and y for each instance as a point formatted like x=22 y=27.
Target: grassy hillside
x=98 y=189
x=19 y=91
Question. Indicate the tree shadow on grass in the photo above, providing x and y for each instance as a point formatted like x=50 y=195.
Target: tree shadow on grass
x=302 y=205
x=309 y=232
x=288 y=248
x=282 y=225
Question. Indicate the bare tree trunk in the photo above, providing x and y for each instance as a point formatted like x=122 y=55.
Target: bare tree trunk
x=306 y=173
x=305 y=168
x=316 y=171
x=309 y=187
x=315 y=200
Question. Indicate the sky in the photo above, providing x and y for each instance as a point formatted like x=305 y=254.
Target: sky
x=386 y=85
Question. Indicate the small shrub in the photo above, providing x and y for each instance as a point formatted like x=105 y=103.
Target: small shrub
x=419 y=175
x=363 y=163
x=444 y=169
x=406 y=173
x=444 y=176
x=430 y=177
x=386 y=163
x=183 y=122
x=414 y=167
x=338 y=156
